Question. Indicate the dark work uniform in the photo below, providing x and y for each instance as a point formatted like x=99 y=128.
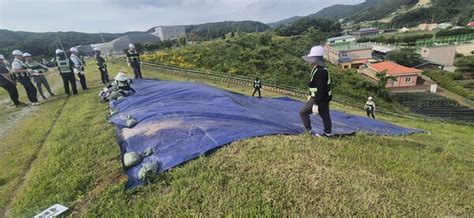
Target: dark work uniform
x=257 y=85
x=25 y=79
x=80 y=68
x=40 y=79
x=66 y=71
x=8 y=84
x=370 y=109
x=320 y=88
x=134 y=59
x=104 y=75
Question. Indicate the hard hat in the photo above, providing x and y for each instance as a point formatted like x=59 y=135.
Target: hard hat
x=59 y=51
x=96 y=49
x=17 y=53
x=74 y=49
x=121 y=77
x=370 y=98
x=1 y=57
x=131 y=45
x=26 y=54
x=315 y=56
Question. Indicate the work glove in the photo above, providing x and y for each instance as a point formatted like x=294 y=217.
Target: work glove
x=315 y=109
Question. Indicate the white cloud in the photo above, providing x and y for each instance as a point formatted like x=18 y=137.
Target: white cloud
x=139 y=15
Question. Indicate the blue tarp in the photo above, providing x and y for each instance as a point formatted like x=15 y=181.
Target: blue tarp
x=182 y=121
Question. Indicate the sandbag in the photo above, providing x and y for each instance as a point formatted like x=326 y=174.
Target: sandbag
x=148 y=151
x=131 y=159
x=131 y=122
x=148 y=170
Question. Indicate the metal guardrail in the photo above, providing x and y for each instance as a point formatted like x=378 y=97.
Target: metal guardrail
x=247 y=81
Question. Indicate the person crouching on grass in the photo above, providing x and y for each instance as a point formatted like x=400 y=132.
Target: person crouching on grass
x=320 y=89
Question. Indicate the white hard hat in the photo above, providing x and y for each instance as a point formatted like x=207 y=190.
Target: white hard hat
x=59 y=51
x=121 y=77
x=316 y=51
x=74 y=49
x=26 y=54
x=370 y=98
x=315 y=56
x=17 y=53
x=131 y=45
x=96 y=49
x=1 y=57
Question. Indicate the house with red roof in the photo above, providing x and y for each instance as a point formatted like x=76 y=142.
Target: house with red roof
x=401 y=78
x=471 y=24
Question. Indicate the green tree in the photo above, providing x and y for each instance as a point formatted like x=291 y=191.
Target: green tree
x=465 y=65
x=405 y=56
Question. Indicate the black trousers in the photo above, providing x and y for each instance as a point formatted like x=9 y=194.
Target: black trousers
x=29 y=88
x=323 y=113
x=104 y=75
x=255 y=91
x=69 y=79
x=370 y=113
x=136 y=70
x=12 y=91
x=82 y=79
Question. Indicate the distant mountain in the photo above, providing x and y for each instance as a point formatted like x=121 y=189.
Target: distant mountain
x=368 y=10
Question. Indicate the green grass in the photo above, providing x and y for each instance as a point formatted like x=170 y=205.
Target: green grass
x=446 y=80
x=78 y=165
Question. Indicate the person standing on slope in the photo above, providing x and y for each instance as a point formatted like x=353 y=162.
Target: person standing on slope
x=7 y=82
x=38 y=74
x=23 y=74
x=78 y=67
x=370 y=107
x=257 y=85
x=133 y=60
x=65 y=67
x=104 y=75
x=320 y=89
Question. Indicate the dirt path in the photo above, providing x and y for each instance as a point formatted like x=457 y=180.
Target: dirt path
x=14 y=117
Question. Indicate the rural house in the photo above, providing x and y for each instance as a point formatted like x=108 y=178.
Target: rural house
x=348 y=55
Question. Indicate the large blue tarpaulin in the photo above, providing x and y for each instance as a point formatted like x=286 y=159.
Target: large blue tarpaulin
x=182 y=121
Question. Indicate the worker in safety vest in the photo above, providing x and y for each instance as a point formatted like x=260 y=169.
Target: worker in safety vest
x=38 y=71
x=8 y=83
x=133 y=60
x=370 y=107
x=23 y=75
x=320 y=92
x=104 y=74
x=66 y=70
x=78 y=67
x=257 y=85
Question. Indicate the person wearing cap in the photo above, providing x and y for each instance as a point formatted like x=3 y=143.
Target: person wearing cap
x=23 y=74
x=257 y=85
x=8 y=83
x=123 y=84
x=66 y=70
x=320 y=92
x=38 y=71
x=370 y=107
x=78 y=67
x=133 y=60
x=104 y=75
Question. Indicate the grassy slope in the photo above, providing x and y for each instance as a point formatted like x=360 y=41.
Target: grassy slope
x=78 y=165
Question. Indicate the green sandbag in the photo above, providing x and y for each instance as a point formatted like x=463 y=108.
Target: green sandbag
x=131 y=159
x=131 y=122
x=148 y=170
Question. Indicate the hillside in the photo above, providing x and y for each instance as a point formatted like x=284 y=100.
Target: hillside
x=366 y=11
x=218 y=29
x=44 y=44
x=65 y=152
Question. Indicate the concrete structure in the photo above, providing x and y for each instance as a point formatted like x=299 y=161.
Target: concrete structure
x=380 y=50
x=427 y=26
x=348 y=55
x=168 y=32
x=346 y=38
x=365 y=32
x=119 y=45
x=439 y=54
x=85 y=50
x=406 y=79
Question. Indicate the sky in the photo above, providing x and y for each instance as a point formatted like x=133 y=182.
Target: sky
x=118 y=16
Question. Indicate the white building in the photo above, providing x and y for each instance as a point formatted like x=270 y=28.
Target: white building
x=119 y=45
x=168 y=32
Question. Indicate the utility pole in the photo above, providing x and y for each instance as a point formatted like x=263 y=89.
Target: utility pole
x=60 y=44
x=105 y=47
x=208 y=32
